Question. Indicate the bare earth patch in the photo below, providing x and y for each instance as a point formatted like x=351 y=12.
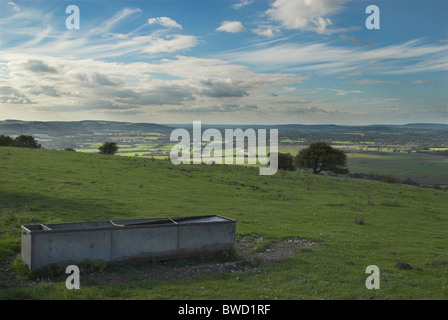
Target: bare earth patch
x=274 y=251
x=246 y=248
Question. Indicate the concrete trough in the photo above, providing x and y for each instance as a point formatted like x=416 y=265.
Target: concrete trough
x=125 y=240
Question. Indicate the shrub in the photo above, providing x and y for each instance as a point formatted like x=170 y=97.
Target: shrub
x=20 y=268
x=108 y=148
x=286 y=162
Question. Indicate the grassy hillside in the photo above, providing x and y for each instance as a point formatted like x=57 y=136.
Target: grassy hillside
x=402 y=224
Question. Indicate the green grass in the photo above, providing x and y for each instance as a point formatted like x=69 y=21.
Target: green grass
x=401 y=223
x=421 y=167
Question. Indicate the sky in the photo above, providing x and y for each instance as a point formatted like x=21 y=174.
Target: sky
x=225 y=61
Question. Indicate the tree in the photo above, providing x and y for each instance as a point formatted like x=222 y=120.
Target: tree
x=320 y=157
x=286 y=162
x=25 y=142
x=108 y=148
x=5 y=141
x=69 y=149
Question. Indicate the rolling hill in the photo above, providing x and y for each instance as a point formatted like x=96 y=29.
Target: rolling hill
x=401 y=224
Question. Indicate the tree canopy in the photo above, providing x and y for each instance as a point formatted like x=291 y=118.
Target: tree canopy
x=286 y=162
x=320 y=156
x=108 y=148
x=20 y=141
x=5 y=141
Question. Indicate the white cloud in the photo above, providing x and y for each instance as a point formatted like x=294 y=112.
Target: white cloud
x=266 y=31
x=165 y=22
x=306 y=14
x=15 y=7
x=98 y=42
x=242 y=3
x=231 y=26
x=176 y=43
x=53 y=85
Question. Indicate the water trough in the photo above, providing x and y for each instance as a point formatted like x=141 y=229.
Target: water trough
x=125 y=240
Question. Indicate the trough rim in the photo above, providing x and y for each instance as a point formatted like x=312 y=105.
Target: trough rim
x=115 y=226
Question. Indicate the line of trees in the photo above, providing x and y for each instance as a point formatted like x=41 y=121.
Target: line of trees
x=20 y=141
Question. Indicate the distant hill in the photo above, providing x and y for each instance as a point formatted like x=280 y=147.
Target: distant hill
x=427 y=126
x=327 y=127
x=88 y=127
x=65 y=128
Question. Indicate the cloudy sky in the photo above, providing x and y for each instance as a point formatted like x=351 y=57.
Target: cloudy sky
x=225 y=62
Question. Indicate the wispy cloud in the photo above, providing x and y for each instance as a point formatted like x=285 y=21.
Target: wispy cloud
x=109 y=24
x=364 y=82
x=103 y=40
x=15 y=7
x=351 y=74
x=355 y=40
x=242 y=3
x=408 y=57
x=428 y=81
x=131 y=65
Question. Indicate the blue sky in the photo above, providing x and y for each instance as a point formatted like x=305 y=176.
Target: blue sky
x=225 y=62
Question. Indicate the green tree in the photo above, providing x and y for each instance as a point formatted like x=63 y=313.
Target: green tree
x=25 y=142
x=320 y=157
x=5 y=141
x=286 y=162
x=108 y=148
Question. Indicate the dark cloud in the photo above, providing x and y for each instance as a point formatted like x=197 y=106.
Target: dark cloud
x=98 y=106
x=9 y=94
x=215 y=88
x=39 y=67
x=310 y=110
x=99 y=79
x=104 y=80
x=226 y=108
x=161 y=95
x=46 y=90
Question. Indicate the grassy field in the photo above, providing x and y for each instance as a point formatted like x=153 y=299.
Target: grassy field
x=428 y=166
x=422 y=167
x=402 y=224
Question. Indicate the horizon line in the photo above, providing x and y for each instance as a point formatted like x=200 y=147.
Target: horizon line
x=248 y=124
